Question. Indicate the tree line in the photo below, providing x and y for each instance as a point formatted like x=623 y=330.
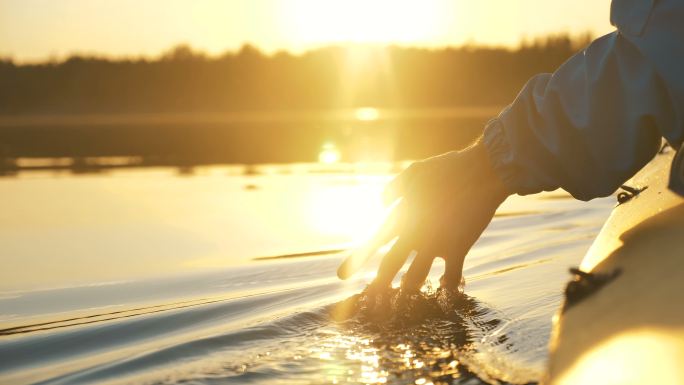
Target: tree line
x=186 y=80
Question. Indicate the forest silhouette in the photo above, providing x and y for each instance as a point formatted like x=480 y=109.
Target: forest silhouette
x=214 y=109
x=186 y=80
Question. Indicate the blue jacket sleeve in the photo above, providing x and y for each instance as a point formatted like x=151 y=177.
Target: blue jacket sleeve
x=600 y=117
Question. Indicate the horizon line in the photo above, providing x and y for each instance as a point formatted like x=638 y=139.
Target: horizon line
x=523 y=42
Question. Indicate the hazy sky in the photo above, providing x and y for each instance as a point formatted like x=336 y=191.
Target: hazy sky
x=37 y=29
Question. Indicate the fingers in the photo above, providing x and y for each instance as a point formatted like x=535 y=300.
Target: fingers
x=386 y=233
x=453 y=271
x=393 y=261
x=398 y=186
x=463 y=239
x=414 y=235
x=417 y=272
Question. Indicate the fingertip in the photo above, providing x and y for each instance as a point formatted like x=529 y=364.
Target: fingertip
x=346 y=268
x=342 y=273
x=382 y=281
x=453 y=271
x=417 y=273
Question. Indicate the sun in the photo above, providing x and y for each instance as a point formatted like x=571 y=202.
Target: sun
x=361 y=21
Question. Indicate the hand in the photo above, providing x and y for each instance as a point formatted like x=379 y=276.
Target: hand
x=445 y=204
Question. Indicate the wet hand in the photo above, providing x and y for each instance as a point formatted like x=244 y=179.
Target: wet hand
x=442 y=206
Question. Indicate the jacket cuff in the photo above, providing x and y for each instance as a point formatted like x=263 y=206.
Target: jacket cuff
x=502 y=160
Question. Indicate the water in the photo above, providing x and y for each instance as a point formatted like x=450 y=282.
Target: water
x=151 y=277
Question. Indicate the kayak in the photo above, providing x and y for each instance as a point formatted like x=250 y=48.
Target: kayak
x=622 y=320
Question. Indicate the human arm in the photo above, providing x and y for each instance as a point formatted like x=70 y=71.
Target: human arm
x=600 y=117
x=586 y=128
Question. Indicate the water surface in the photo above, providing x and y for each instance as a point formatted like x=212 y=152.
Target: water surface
x=153 y=277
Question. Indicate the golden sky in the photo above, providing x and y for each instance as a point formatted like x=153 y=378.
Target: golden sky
x=33 y=30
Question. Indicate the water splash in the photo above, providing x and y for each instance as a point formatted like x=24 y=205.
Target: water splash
x=422 y=337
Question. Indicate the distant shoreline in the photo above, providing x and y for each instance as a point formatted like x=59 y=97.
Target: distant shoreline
x=267 y=116
x=98 y=142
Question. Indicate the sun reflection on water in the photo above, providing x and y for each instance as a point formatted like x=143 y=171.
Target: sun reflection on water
x=351 y=350
x=329 y=154
x=367 y=114
x=354 y=358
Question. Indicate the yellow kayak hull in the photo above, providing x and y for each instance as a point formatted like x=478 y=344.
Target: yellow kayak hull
x=629 y=329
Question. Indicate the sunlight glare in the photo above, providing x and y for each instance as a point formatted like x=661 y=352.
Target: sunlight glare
x=329 y=154
x=370 y=275
x=355 y=211
x=367 y=114
x=620 y=359
x=361 y=21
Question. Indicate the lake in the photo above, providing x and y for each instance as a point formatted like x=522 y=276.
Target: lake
x=154 y=276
